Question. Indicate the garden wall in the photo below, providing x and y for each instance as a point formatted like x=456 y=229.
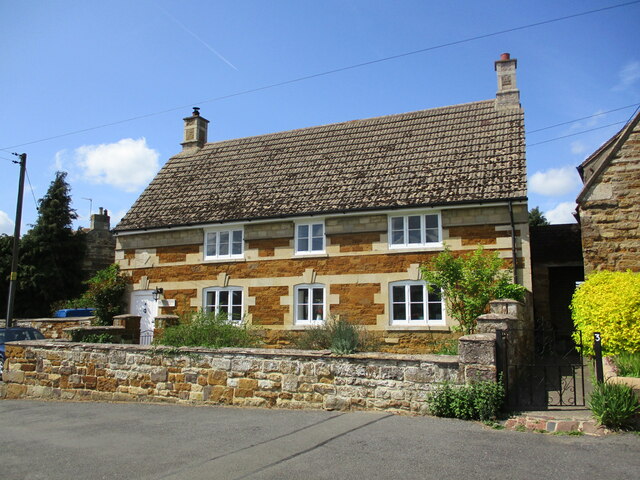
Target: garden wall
x=54 y=327
x=242 y=377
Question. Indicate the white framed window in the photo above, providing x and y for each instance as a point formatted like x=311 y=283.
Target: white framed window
x=224 y=299
x=223 y=243
x=419 y=230
x=310 y=238
x=309 y=304
x=416 y=303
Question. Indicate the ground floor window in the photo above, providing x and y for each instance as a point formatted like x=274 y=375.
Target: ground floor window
x=309 y=304
x=224 y=299
x=416 y=303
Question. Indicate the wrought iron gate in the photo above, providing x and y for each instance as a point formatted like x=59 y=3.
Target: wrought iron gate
x=541 y=368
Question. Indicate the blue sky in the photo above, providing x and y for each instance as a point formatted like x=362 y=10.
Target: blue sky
x=68 y=66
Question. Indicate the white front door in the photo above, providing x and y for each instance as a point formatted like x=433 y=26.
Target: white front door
x=143 y=304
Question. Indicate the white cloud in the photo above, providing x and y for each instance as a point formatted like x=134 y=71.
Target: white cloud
x=577 y=147
x=116 y=217
x=562 y=213
x=128 y=164
x=629 y=75
x=555 y=182
x=6 y=224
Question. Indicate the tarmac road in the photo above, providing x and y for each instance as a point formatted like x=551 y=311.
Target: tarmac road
x=64 y=440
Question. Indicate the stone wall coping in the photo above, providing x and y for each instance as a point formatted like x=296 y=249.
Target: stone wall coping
x=167 y=316
x=474 y=337
x=95 y=328
x=261 y=352
x=497 y=316
x=127 y=315
x=53 y=320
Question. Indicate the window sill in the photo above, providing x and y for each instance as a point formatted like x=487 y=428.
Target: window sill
x=416 y=248
x=224 y=260
x=418 y=328
x=312 y=254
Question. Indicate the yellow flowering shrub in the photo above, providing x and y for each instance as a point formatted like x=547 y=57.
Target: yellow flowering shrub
x=609 y=303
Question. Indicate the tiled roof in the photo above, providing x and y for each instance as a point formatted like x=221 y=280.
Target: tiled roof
x=461 y=153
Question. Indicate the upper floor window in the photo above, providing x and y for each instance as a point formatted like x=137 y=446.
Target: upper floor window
x=310 y=237
x=415 y=230
x=309 y=304
x=416 y=303
x=224 y=299
x=223 y=243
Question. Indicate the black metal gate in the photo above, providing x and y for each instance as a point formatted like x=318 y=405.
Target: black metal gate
x=541 y=368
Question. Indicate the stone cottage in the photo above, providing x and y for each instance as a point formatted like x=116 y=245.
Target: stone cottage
x=287 y=229
x=609 y=203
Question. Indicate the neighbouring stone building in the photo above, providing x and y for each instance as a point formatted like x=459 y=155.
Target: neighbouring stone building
x=609 y=203
x=290 y=228
x=101 y=244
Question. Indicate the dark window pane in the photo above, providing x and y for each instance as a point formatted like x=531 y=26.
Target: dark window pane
x=431 y=236
x=317 y=244
x=236 y=297
x=435 y=311
x=399 y=312
x=302 y=312
x=318 y=295
x=397 y=238
x=414 y=236
x=416 y=293
x=303 y=231
x=236 y=313
x=237 y=236
x=318 y=312
x=303 y=296
x=398 y=294
x=224 y=297
x=431 y=221
x=236 y=248
x=211 y=298
x=414 y=222
x=397 y=223
x=435 y=295
x=303 y=244
x=317 y=229
x=211 y=244
x=417 y=311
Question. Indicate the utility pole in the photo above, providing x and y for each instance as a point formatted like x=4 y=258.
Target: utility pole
x=13 y=279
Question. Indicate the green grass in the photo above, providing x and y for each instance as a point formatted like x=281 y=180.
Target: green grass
x=571 y=433
x=628 y=364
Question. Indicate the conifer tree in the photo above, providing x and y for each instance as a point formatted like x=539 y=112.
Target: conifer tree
x=51 y=254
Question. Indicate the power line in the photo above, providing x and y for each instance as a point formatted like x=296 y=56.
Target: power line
x=581 y=118
x=31 y=188
x=574 y=134
x=333 y=71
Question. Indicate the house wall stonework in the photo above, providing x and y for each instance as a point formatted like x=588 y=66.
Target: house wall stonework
x=610 y=213
x=356 y=268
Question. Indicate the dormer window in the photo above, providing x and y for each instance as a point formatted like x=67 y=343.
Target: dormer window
x=224 y=243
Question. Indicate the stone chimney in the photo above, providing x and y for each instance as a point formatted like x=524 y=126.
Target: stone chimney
x=100 y=221
x=508 y=96
x=195 y=130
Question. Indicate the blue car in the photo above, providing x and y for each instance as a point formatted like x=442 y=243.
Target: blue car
x=16 y=334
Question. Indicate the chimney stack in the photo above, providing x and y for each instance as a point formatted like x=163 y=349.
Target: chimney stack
x=100 y=221
x=195 y=130
x=508 y=96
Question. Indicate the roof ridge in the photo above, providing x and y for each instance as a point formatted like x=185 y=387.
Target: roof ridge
x=336 y=124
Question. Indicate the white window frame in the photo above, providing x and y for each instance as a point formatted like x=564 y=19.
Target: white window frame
x=310 y=224
x=215 y=306
x=230 y=232
x=407 y=303
x=309 y=320
x=405 y=229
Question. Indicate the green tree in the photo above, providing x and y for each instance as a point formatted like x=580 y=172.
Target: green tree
x=51 y=254
x=469 y=282
x=106 y=294
x=537 y=218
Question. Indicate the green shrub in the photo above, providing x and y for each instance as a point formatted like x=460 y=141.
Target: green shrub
x=84 y=337
x=203 y=329
x=609 y=303
x=477 y=401
x=469 y=282
x=613 y=404
x=338 y=335
x=628 y=364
